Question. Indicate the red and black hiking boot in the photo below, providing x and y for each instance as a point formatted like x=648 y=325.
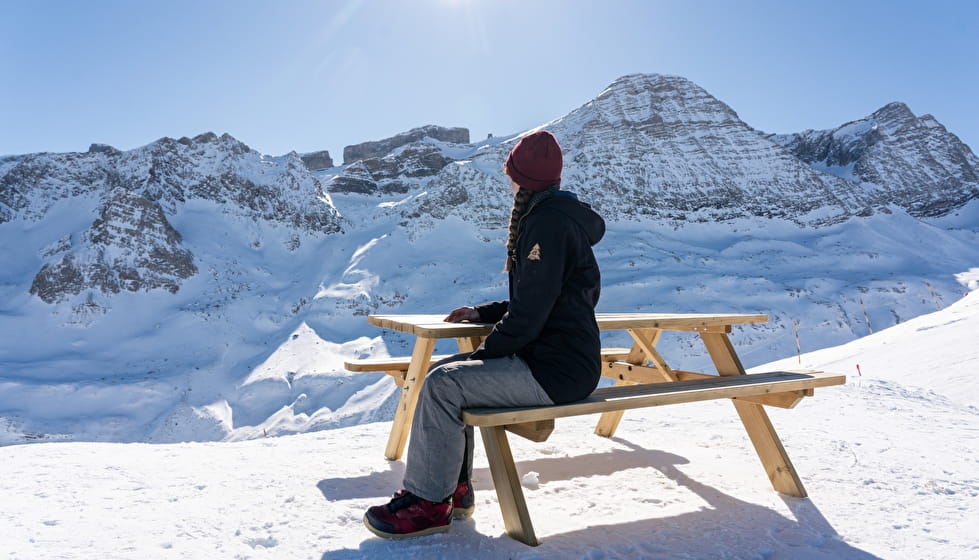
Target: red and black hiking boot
x=407 y=515
x=463 y=501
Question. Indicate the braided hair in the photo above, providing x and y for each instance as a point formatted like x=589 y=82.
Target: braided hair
x=521 y=203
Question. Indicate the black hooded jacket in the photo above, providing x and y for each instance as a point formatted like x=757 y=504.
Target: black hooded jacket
x=549 y=320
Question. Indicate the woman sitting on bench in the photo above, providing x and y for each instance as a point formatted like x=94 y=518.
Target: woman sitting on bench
x=544 y=348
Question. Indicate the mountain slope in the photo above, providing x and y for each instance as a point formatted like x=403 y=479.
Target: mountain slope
x=905 y=353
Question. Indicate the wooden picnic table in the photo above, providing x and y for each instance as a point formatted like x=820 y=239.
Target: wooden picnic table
x=642 y=378
x=645 y=329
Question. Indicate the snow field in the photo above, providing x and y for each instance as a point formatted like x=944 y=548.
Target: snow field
x=890 y=461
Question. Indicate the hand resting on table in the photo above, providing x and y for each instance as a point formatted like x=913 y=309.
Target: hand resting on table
x=461 y=314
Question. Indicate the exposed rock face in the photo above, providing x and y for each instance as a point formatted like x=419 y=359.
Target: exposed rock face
x=132 y=245
x=913 y=162
x=661 y=146
x=389 y=173
x=315 y=161
x=381 y=148
x=104 y=149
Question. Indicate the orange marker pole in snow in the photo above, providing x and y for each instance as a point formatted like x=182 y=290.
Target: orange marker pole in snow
x=858 y=371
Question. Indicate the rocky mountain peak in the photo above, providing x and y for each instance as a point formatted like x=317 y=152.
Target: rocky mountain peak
x=391 y=173
x=103 y=149
x=649 y=146
x=658 y=98
x=381 y=148
x=893 y=113
x=315 y=161
x=656 y=146
x=913 y=162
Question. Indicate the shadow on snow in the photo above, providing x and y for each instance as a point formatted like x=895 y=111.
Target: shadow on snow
x=728 y=528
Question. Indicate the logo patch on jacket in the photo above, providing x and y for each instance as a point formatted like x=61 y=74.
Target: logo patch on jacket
x=534 y=253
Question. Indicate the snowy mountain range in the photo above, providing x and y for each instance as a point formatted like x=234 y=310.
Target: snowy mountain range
x=159 y=294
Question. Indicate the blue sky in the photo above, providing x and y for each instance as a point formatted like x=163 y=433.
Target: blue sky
x=305 y=76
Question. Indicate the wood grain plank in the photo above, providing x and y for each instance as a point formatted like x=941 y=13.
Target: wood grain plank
x=756 y=423
x=433 y=326
x=420 y=358
x=513 y=506
x=659 y=394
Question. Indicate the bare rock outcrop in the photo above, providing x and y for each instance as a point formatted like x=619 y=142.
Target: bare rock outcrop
x=380 y=148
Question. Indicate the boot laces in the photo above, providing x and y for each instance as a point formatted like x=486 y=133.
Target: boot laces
x=402 y=500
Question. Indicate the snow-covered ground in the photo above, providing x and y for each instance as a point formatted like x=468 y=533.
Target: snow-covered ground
x=890 y=460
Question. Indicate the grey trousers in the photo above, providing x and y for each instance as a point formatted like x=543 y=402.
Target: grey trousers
x=441 y=447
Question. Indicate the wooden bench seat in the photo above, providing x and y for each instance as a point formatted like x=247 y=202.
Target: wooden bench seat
x=398 y=367
x=386 y=364
x=536 y=423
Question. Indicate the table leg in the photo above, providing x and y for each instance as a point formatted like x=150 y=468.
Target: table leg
x=417 y=369
x=722 y=353
x=769 y=447
x=644 y=341
x=767 y=444
x=513 y=506
x=647 y=340
x=469 y=343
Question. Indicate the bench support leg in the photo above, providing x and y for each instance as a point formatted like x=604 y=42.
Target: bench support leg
x=609 y=421
x=516 y=517
x=768 y=446
x=643 y=348
x=420 y=358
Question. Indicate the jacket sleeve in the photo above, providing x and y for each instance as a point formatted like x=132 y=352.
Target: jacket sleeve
x=493 y=311
x=542 y=261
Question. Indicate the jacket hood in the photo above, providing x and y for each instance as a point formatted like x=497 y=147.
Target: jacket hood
x=567 y=203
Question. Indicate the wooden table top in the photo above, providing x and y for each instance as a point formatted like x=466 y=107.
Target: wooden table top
x=433 y=326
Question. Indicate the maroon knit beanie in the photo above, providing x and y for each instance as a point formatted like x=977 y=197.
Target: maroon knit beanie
x=535 y=162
